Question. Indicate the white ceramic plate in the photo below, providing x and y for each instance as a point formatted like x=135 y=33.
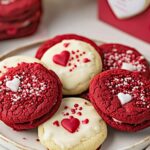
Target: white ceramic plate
x=27 y=140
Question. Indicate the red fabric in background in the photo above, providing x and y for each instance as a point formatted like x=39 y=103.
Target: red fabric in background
x=138 y=26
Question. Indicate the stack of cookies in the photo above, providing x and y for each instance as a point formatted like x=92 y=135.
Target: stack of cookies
x=71 y=88
x=19 y=18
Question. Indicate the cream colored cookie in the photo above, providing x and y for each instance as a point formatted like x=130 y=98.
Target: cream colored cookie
x=75 y=126
x=14 y=61
x=75 y=64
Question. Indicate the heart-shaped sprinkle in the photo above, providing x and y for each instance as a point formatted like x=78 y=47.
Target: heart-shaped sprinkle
x=13 y=85
x=62 y=58
x=70 y=124
x=128 y=8
x=128 y=66
x=124 y=98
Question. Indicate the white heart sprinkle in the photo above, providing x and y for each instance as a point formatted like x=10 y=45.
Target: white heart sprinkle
x=128 y=66
x=13 y=85
x=128 y=8
x=124 y=98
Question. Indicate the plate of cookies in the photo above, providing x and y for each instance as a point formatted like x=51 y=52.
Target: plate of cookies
x=73 y=93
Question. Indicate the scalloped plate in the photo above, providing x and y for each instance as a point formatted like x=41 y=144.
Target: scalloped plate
x=28 y=140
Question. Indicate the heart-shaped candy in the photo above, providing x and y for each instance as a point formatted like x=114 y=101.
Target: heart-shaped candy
x=13 y=85
x=128 y=8
x=71 y=124
x=62 y=58
x=128 y=66
x=124 y=98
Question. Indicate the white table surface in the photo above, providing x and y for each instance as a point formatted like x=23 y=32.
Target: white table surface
x=75 y=16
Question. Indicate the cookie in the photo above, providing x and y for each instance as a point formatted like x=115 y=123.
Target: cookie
x=12 y=62
x=117 y=56
x=19 y=32
x=75 y=59
x=19 y=18
x=12 y=8
x=122 y=98
x=20 y=29
x=29 y=93
x=76 y=126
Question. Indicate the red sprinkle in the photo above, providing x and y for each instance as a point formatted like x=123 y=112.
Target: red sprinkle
x=67 y=114
x=86 y=60
x=76 y=105
x=56 y=123
x=79 y=113
x=69 y=64
x=72 y=52
x=73 y=111
x=80 y=108
x=77 y=50
x=85 y=103
x=86 y=121
x=66 y=44
x=77 y=56
x=66 y=107
x=71 y=117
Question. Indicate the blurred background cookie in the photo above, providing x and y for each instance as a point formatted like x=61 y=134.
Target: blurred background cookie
x=19 y=18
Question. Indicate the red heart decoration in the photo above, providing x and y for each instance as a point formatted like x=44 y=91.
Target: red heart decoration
x=71 y=124
x=62 y=58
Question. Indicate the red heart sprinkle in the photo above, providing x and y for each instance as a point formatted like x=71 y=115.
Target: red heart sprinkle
x=71 y=124
x=62 y=58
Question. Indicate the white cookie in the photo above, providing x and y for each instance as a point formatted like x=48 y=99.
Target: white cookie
x=75 y=126
x=75 y=64
x=14 y=61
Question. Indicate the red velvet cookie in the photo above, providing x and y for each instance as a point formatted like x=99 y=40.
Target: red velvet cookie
x=117 y=56
x=20 y=29
x=19 y=18
x=13 y=8
x=122 y=98
x=30 y=94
